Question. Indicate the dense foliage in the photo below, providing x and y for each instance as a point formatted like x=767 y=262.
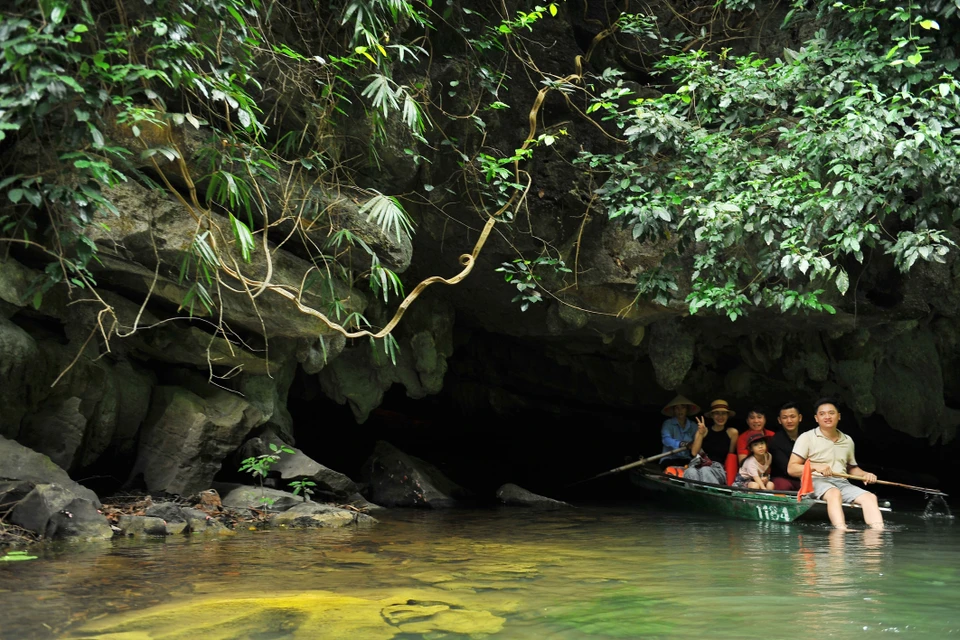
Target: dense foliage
x=773 y=178
x=95 y=94
x=777 y=175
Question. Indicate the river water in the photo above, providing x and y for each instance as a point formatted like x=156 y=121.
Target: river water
x=591 y=573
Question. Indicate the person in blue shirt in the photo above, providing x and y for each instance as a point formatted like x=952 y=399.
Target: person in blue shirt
x=678 y=430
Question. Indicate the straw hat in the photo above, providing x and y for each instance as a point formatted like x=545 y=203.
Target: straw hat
x=720 y=405
x=667 y=410
x=756 y=437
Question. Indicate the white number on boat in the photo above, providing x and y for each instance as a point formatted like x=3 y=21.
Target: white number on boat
x=777 y=514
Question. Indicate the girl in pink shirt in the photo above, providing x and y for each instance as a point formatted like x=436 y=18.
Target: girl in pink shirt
x=755 y=470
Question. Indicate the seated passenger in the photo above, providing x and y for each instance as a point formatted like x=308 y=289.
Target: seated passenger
x=781 y=446
x=710 y=447
x=678 y=431
x=755 y=470
x=756 y=423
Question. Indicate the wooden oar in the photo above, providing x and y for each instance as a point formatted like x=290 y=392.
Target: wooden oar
x=630 y=466
x=932 y=492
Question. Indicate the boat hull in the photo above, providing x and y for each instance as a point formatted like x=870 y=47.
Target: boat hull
x=733 y=502
x=724 y=501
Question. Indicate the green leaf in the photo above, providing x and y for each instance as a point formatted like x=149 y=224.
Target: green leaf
x=243 y=236
x=930 y=24
x=14 y=195
x=843 y=282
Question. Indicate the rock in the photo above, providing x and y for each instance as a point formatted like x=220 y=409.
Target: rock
x=360 y=377
x=400 y=480
x=516 y=496
x=238 y=496
x=200 y=522
x=312 y=514
x=57 y=431
x=269 y=395
x=908 y=387
x=313 y=355
x=152 y=225
x=185 y=438
x=671 y=352
x=142 y=526
x=55 y=511
x=171 y=514
x=299 y=466
x=18 y=462
x=18 y=370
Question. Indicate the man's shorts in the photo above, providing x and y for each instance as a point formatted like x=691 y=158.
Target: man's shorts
x=847 y=491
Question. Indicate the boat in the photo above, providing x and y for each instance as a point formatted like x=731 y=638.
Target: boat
x=735 y=502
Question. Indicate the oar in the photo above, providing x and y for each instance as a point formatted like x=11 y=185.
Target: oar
x=932 y=492
x=630 y=466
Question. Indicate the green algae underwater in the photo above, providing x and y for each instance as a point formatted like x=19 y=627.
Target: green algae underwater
x=594 y=573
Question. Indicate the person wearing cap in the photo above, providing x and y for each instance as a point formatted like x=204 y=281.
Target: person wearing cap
x=830 y=451
x=710 y=447
x=678 y=430
x=756 y=423
x=755 y=470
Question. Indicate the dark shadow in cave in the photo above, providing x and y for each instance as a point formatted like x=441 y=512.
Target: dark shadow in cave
x=547 y=437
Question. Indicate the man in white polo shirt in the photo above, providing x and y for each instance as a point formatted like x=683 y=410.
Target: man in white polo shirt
x=830 y=451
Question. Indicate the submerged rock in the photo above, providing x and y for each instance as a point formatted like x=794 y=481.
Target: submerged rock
x=143 y=526
x=400 y=480
x=311 y=514
x=516 y=496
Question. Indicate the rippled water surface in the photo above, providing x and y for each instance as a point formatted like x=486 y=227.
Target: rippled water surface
x=599 y=573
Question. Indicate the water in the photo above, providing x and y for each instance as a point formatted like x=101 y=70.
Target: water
x=601 y=573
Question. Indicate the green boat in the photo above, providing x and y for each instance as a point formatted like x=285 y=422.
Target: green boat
x=733 y=502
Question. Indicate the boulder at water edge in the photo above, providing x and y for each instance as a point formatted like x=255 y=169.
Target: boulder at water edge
x=330 y=485
x=48 y=502
x=311 y=514
x=400 y=480
x=516 y=496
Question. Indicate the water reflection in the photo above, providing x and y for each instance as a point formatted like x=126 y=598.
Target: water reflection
x=589 y=573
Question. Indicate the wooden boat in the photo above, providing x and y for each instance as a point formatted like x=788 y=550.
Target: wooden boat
x=734 y=502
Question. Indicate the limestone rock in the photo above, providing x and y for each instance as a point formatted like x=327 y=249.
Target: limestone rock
x=57 y=431
x=20 y=463
x=151 y=226
x=239 y=496
x=203 y=523
x=142 y=526
x=671 y=352
x=400 y=480
x=18 y=360
x=359 y=377
x=56 y=511
x=186 y=437
x=516 y=496
x=312 y=514
x=299 y=466
x=908 y=387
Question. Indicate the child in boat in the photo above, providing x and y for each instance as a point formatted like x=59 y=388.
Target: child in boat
x=755 y=470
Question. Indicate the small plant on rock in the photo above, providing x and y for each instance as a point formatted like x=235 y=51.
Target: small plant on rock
x=303 y=486
x=259 y=467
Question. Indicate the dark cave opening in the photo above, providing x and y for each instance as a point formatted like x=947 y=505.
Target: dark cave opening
x=493 y=424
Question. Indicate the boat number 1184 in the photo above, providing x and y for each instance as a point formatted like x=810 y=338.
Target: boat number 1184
x=767 y=512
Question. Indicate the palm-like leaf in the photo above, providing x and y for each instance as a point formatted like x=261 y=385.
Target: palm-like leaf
x=389 y=214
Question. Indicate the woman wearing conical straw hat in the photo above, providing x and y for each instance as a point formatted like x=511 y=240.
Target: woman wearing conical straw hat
x=678 y=430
